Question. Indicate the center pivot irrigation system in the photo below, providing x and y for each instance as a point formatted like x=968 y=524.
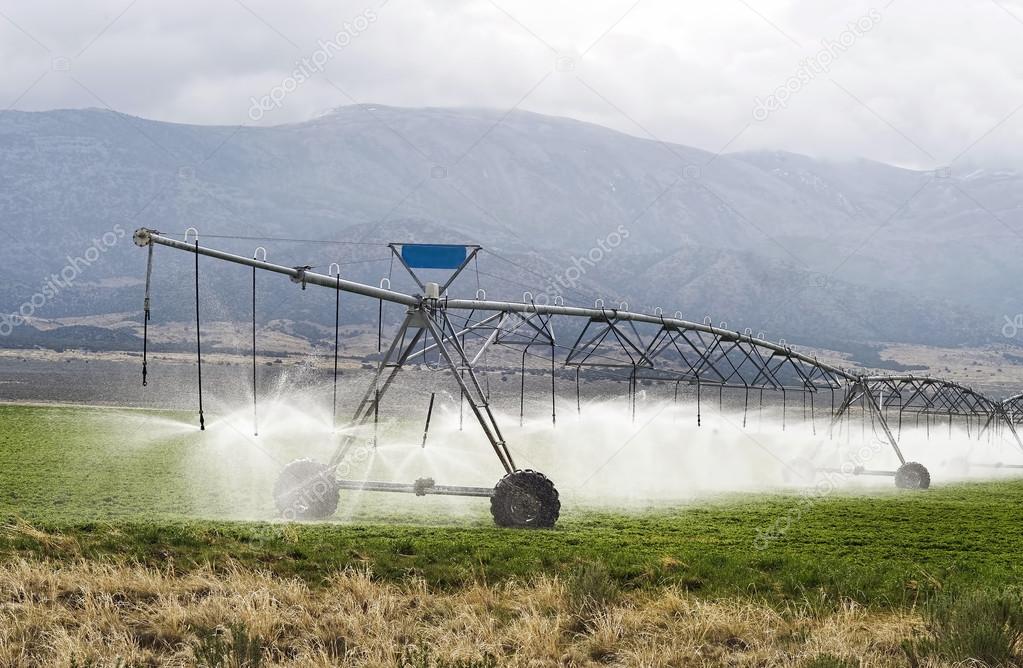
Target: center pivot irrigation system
x=638 y=346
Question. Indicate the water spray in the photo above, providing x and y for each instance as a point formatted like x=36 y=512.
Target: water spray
x=615 y=343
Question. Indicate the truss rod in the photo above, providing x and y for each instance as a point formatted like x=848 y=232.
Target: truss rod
x=1010 y=407
x=144 y=237
x=630 y=316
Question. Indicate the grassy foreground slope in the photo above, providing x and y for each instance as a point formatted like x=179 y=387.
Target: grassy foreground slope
x=72 y=487
x=128 y=539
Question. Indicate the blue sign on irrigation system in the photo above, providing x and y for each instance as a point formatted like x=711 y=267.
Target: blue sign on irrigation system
x=434 y=256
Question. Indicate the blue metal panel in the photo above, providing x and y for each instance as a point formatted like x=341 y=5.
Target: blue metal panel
x=433 y=256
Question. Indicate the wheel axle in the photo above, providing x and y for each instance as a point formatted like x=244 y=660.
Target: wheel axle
x=421 y=487
x=309 y=490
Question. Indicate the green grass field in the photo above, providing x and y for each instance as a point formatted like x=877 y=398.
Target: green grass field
x=73 y=485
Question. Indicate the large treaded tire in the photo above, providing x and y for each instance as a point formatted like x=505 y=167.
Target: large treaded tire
x=912 y=475
x=525 y=499
x=306 y=490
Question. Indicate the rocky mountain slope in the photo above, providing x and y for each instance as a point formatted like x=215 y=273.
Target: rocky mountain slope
x=816 y=252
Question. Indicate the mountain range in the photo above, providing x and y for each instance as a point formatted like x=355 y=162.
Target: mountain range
x=818 y=252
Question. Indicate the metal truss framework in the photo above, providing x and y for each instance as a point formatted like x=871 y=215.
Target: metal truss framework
x=923 y=394
x=434 y=324
x=1012 y=408
x=649 y=346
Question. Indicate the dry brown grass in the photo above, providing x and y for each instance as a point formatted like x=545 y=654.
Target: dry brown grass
x=93 y=614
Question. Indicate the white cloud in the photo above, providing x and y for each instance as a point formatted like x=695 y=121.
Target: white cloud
x=916 y=89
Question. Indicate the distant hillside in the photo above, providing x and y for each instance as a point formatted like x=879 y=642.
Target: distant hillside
x=811 y=251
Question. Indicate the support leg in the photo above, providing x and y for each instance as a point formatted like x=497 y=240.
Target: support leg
x=850 y=396
x=371 y=399
x=478 y=401
x=876 y=410
x=1012 y=429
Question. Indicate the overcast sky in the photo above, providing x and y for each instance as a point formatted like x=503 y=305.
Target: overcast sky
x=920 y=83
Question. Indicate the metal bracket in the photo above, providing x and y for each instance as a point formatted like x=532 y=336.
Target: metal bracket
x=300 y=276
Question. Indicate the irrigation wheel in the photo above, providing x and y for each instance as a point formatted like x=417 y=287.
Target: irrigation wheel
x=912 y=475
x=306 y=490
x=525 y=499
